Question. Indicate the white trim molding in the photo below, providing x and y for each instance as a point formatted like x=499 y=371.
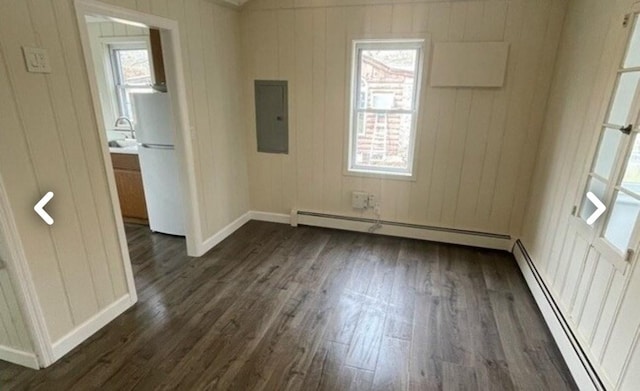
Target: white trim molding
x=270 y=217
x=221 y=235
x=580 y=366
x=19 y=357
x=89 y=327
x=404 y=230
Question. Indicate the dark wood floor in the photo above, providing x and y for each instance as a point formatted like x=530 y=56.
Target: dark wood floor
x=275 y=307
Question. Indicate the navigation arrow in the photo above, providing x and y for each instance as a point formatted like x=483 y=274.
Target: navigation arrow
x=39 y=208
x=600 y=208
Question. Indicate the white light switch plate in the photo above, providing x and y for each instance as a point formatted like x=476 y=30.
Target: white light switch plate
x=37 y=60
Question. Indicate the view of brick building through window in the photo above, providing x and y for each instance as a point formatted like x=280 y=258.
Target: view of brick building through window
x=385 y=102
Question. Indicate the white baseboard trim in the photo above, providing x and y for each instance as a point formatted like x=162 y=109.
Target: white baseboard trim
x=581 y=368
x=221 y=235
x=271 y=217
x=78 y=335
x=411 y=231
x=19 y=357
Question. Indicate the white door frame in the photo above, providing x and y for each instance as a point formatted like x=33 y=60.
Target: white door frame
x=172 y=55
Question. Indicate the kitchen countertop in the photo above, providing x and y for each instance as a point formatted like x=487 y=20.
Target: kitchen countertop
x=128 y=150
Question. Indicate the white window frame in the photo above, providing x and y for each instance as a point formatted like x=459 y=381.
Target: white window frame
x=358 y=45
x=125 y=42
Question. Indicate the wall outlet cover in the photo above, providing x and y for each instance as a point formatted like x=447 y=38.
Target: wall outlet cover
x=359 y=200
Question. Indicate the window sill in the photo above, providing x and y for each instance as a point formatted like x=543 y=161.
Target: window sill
x=380 y=175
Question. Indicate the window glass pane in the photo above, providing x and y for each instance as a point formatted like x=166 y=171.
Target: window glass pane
x=382 y=100
x=383 y=140
x=598 y=188
x=631 y=179
x=633 y=53
x=389 y=77
x=134 y=66
x=622 y=221
x=623 y=98
x=607 y=152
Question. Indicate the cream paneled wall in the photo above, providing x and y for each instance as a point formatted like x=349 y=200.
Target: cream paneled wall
x=599 y=301
x=13 y=331
x=49 y=142
x=476 y=146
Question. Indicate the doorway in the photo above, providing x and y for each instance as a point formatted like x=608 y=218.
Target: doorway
x=122 y=57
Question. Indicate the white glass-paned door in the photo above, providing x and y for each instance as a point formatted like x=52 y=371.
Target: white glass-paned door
x=614 y=177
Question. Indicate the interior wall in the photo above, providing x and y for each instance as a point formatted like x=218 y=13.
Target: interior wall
x=476 y=145
x=13 y=330
x=598 y=300
x=49 y=142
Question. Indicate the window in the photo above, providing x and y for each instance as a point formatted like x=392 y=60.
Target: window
x=131 y=73
x=385 y=89
x=382 y=100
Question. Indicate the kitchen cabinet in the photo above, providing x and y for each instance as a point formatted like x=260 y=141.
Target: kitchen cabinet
x=126 y=168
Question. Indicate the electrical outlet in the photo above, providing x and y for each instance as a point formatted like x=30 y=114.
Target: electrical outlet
x=359 y=200
x=371 y=201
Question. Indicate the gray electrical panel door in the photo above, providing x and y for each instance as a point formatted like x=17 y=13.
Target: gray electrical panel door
x=272 y=126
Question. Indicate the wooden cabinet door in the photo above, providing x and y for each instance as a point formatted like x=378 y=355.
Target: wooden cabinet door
x=131 y=194
x=130 y=188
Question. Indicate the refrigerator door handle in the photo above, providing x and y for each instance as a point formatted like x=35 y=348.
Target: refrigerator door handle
x=157 y=146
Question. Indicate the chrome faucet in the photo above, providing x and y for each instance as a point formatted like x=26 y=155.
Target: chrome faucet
x=128 y=121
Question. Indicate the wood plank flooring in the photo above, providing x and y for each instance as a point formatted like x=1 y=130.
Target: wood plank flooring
x=281 y=308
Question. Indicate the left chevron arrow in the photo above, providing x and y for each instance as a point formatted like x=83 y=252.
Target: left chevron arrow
x=39 y=208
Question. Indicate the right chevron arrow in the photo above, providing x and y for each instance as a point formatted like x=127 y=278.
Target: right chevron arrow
x=600 y=208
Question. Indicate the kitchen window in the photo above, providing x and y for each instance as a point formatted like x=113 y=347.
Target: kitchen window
x=385 y=91
x=131 y=73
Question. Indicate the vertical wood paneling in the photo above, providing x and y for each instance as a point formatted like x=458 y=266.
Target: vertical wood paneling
x=624 y=331
x=605 y=321
x=598 y=299
x=47 y=148
x=13 y=331
x=631 y=377
x=335 y=68
x=584 y=286
x=464 y=134
x=50 y=142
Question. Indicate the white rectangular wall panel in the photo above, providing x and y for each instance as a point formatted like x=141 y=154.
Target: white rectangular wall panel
x=469 y=64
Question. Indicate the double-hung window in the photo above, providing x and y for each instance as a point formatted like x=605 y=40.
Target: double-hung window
x=131 y=73
x=385 y=91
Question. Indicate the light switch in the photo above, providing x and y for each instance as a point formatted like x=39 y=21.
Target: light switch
x=37 y=60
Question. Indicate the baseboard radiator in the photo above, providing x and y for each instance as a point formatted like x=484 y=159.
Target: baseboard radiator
x=582 y=369
x=406 y=230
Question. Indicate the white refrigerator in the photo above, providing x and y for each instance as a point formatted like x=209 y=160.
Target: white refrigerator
x=154 y=126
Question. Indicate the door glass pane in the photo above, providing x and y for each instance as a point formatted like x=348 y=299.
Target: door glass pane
x=622 y=221
x=607 y=152
x=598 y=188
x=623 y=98
x=631 y=179
x=633 y=54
